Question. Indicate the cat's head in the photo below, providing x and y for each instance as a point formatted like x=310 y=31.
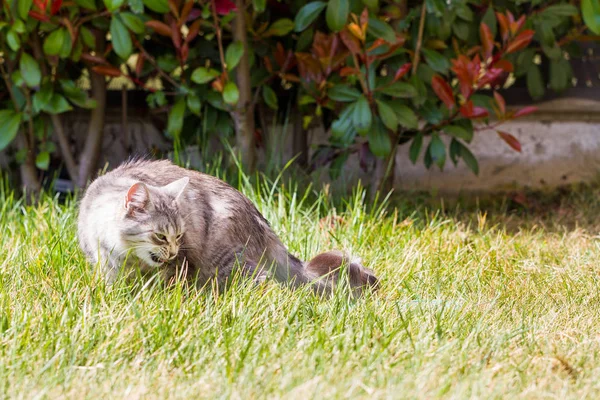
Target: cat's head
x=153 y=226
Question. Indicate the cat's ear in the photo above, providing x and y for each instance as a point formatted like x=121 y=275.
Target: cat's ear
x=176 y=188
x=137 y=197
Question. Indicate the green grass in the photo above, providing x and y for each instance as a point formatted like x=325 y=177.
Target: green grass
x=470 y=306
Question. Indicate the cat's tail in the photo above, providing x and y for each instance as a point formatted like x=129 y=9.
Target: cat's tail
x=326 y=270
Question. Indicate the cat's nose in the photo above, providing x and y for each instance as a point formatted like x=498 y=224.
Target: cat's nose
x=172 y=255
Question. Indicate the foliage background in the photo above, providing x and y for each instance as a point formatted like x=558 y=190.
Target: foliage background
x=375 y=73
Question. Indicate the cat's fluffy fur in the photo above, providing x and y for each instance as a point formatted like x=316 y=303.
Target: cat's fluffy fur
x=155 y=215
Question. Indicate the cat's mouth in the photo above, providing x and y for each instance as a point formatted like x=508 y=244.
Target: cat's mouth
x=155 y=258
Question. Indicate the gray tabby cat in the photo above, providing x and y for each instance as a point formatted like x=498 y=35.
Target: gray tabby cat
x=156 y=216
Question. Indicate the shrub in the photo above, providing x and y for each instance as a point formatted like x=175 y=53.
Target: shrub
x=377 y=73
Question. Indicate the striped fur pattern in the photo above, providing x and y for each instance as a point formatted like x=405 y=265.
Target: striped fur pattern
x=155 y=216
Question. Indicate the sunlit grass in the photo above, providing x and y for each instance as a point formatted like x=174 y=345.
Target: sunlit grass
x=470 y=306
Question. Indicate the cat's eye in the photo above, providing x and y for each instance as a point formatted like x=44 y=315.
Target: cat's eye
x=179 y=236
x=161 y=237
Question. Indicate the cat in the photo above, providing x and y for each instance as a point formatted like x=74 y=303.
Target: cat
x=151 y=216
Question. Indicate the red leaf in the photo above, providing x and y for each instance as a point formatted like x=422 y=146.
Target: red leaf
x=517 y=25
x=185 y=12
x=55 y=6
x=487 y=40
x=194 y=15
x=193 y=31
x=364 y=17
x=350 y=41
x=39 y=16
x=175 y=35
x=468 y=111
x=520 y=42
x=107 y=70
x=500 y=102
x=173 y=8
x=504 y=27
x=223 y=7
x=139 y=65
x=348 y=71
x=490 y=77
x=525 y=111
x=185 y=52
x=510 y=140
x=41 y=4
x=403 y=70
x=93 y=59
x=443 y=90
x=504 y=65
x=159 y=27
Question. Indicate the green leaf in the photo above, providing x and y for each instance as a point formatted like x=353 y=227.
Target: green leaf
x=42 y=97
x=535 y=83
x=113 y=5
x=76 y=95
x=560 y=10
x=343 y=93
x=459 y=132
x=380 y=29
x=231 y=94
x=23 y=7
x=372 y=5
x=415 y=148
x=406 y=116
x=380 y=143
x=469 y=159
x=560 y=74
x=30 y=70
x=436 y=61
x=462 y=29
x=42 y=160
x=489 y=18
x=464 y=12
x=89 y=4
x=133 y=22
x=307 y=14
x=590 y=9
x=204 y=75
x=54 y=42
x=342 y=129
x=137 y=6
x=336 y=166
x=19 y=26
x=121 y=40
x=159 y=6
x=281 y=27
x=399 y=89
x=67 y=45
x=176 y=114
x=88 y=37
x=337 y=14
x=13 y=40
x=437 y=151
x=234 y=54
x=259 y=5
x=387 y=115
x=57 y=105
x=9 y=127
x=194 y=103
x=270 y=97
x=362 y=117
x=524 y=62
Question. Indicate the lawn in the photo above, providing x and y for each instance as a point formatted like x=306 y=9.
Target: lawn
x=489 y=302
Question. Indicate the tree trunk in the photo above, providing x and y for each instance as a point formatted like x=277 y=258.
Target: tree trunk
x=299 y=140
x=243 y=115
x=93 y=141
x=29 y=174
